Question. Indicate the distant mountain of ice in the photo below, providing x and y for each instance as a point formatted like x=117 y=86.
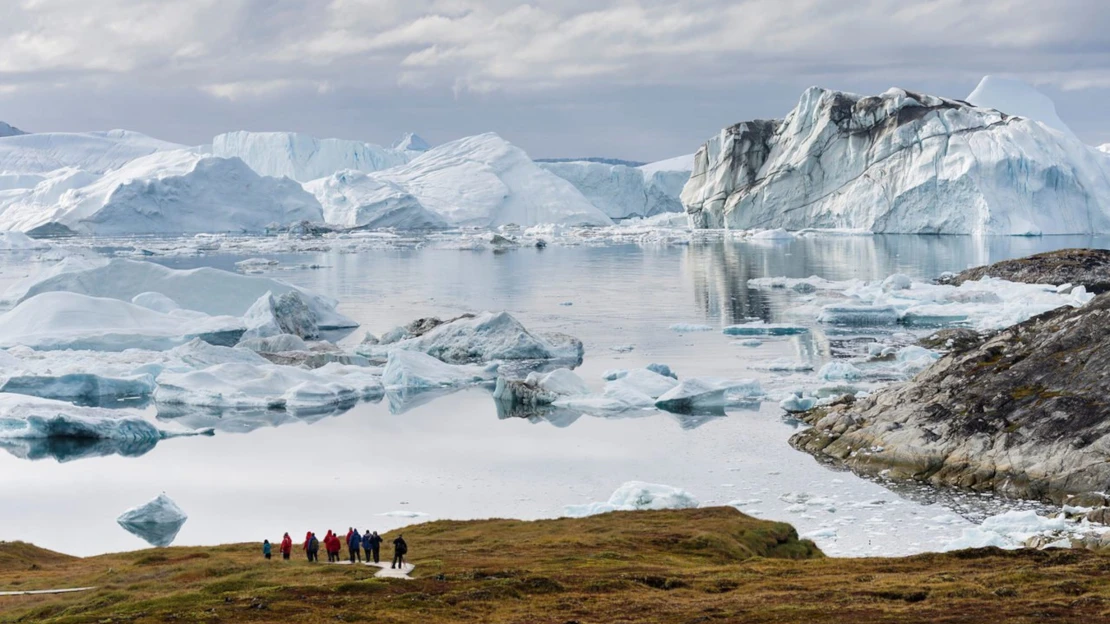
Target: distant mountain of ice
x=621 y=191
x=95 y=152
x=900 y=162
x=1014 y=97
x=305 y=158
x=411 y=143
x=165 y=192
x=7 y=130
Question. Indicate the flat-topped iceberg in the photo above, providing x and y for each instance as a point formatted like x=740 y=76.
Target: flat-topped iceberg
x=66 y=320
x=157 y=522
x=211 y=291
x=899 y=162
x=302 y=157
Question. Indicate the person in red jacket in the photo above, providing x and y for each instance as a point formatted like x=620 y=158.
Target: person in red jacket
x=286 y=547
x=333 y=544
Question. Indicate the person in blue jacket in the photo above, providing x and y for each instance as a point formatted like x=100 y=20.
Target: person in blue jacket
x=367 y=545
x=376 y=545
x=353 y=544
x=266 y=549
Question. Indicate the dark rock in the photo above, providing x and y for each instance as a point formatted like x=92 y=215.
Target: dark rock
x=1100 y=515
x=1089 y=268
x=953 y=339
x=1025 y=414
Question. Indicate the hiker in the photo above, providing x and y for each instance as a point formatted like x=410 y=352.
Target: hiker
x=354 y=542
x=368 y=545
x=307 y=543
x=313 y=548
x=376 y=544
x=333 y=547
x=286 y=547
x=400 y=549
x=266 y=549
x=328 y=546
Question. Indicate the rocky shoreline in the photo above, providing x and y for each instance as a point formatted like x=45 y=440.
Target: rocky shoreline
x=1024 y=412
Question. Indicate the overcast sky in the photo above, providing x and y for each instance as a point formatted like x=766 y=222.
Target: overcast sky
x=638 y=79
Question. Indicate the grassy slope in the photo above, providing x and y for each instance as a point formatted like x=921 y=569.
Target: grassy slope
x=702 y=565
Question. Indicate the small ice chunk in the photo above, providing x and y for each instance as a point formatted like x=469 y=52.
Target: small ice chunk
x=614 y=373
x=797 y=404
x=561 y=381
x=645 y=382
x=705 y=393
x=157 y=522
x=897 y=281
x=686 y=328
x=637 y=495
x=748 y=342
x=839 y=371
x=663 y=370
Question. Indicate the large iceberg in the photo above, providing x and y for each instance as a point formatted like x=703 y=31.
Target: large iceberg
x=900 y=162
x=95 y=152
x=1015 y=97
x=67 y=320
x=211 y=291
x=485 y=181
x=157 y=521
x=621 y=191
x=353 y=199
x=303 y=158
x=176 y=191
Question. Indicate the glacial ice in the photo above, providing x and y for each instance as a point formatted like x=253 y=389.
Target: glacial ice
x=352 y=199
x=66 y=320
x=167 y=192
x=839 y=371
x=621 y=191
x=1016 y=97
x=797 y=403
x=211 y=291
x=706 y=393
x=157 y=522
x=760 y=328
x=95 y=152
x=303 y=158
x=900 y=162
x=285 y=315
x=869 y=315
x=18 y=241
x=33 y=418
x=636 y=496
x=1011 y=529
x=482 y=338
x=413 y=370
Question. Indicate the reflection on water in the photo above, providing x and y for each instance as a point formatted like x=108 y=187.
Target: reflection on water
x=72 y=449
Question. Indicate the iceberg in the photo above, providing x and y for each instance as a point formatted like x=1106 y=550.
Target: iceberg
x=81 y=388
x=485 y=181
x=1016 y=97
x=18 y=241
x=285 y=315
x=869 y=315
x=211 y=291
x=623 y=192
x=410 y=142
x=239 y=385
x=303 y=158
x=411 y=370
x=157 y=522
x=635 y=496
x=486 y=337
x=707 y=394
x=33 y=418
x=899 y=162
x=94 y=152
x=66 y=320
x=170 y=192
x=352 y=199
x=760 y=328
x=8 y=130
x=839 y=371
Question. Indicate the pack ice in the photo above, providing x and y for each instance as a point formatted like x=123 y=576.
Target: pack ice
x=621 y=191
x=899 y=162
x=176 y=191
x=157 y=521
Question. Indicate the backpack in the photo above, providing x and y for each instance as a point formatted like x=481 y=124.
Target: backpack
x=403 y=548
x=314 y=544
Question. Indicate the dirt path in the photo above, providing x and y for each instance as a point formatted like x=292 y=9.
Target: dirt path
x=45 y=591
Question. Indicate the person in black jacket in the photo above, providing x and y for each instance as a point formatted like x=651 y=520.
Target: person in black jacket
x=375 y=546
x=400 y=549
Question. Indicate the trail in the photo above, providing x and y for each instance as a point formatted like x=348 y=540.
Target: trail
x=36 y=592
x=385 y=571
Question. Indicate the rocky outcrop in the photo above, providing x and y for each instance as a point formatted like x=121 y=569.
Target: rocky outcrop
x=899 y=162
x=1089 y=268
x=1026 y=413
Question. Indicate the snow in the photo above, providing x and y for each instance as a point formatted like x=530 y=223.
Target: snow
x=637 y=496
x=303 y=158
x=706 y=393
x=485 y=181
x=66 y=320
x=1015 y=97
x=622 y=192
x=482 y=338
x=176 y=191
x=94 y=152
x=240 y=385
x=411 y=370
x=211 y=291
x=157 y=521
x=352 y=199
x=900 y=162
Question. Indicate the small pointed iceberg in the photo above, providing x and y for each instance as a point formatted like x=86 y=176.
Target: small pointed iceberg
x=157 y=522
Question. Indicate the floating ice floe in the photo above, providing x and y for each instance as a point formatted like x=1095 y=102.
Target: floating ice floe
x=697 y=394
x=412 y=370
x=482 y=338
x=66 y=320
x=157 y=522
x=634 y=496
x=211 y=291
x=629 y=390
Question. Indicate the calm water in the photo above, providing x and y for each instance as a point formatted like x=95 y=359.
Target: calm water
x=454 y=457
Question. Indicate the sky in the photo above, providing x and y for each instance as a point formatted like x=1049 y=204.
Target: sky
x=635 y=79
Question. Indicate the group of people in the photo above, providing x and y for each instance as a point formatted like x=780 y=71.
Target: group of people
x=356 y=543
